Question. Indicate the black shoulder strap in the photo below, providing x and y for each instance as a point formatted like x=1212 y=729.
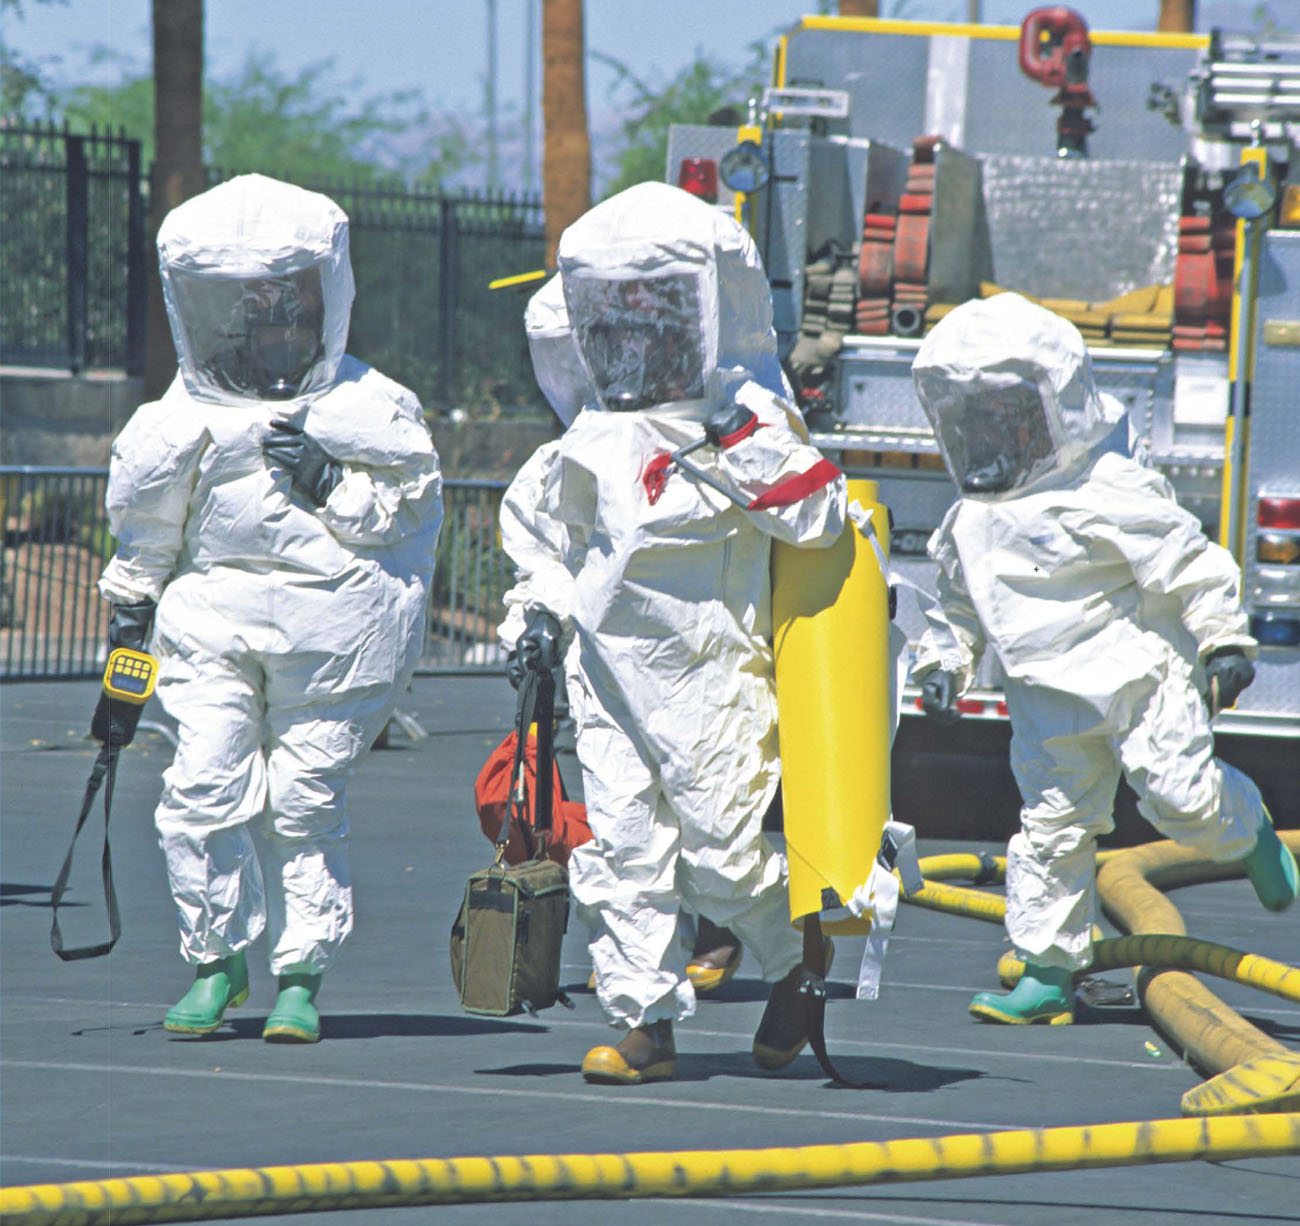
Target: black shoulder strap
x=536 y=705
x=517 y=799
x=814 y=990
x=105 y=768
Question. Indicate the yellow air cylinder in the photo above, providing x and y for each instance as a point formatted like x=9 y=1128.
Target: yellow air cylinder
x=830 y=608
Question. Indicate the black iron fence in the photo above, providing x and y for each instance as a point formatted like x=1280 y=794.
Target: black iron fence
x=55 y=543
x=423 y=313
x=72 y=249
x=73 y=252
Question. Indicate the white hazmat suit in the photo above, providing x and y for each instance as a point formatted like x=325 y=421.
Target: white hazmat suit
x=557 y=364
x=284 y=631
x=661 y=586
x=1101 y=597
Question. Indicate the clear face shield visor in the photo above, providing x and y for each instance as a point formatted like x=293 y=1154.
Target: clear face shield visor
x=994 y=439
x=255 y=337
x=641 y=338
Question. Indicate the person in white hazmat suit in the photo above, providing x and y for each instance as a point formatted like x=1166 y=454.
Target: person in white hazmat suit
x=276 y=513
x=716 y=953
x=655 y=585
x=557 y=364
x=1111 y=614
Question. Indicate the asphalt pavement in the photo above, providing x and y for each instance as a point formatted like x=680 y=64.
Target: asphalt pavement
x=92 y=1087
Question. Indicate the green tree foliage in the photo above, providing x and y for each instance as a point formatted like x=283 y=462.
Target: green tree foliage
x=1266 y=22
x=306 y=128
x=127 y=105
x=692 y=95
x=24 y=87
x=310 y=127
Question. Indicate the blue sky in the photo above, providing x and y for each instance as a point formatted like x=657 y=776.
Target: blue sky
x=440 y=46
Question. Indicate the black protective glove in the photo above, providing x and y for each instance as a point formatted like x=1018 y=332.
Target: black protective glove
x=729 y=424
x=130 y=624
x=538 y=648
x=313 y=471
x=1229 y=672
x=939 y=698
x=515 y=670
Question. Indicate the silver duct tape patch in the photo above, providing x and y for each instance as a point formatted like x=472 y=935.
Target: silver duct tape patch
x=1089 y=230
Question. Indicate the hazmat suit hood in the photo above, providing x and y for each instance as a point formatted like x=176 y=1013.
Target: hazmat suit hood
x=557 y=364
x=668 y=301
x=258 y=285
x=1008 y=388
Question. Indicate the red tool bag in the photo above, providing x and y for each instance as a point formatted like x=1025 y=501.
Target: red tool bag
x=569 y=827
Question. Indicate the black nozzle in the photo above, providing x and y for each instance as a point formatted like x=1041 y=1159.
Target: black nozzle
x=908 y=321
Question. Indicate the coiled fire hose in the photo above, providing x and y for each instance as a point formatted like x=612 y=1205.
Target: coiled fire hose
x=1252 y=1071
x=1157 y=948
x=1128 y=889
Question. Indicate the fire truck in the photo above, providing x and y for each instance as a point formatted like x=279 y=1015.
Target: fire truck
x=1144 y=186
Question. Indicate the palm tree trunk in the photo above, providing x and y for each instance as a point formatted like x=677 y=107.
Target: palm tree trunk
x=566 y=155
x=1177 y=15
x=859 y=8
x=178 y=155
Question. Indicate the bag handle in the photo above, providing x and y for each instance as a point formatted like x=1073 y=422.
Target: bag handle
x=536 y=704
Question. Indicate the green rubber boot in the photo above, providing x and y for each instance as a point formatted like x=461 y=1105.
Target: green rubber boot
x=1044 y=994
x=217 y=986
x=294 y=1018
x=1272 y=869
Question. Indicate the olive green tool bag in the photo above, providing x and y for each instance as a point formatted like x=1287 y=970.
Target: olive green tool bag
x=505 y=943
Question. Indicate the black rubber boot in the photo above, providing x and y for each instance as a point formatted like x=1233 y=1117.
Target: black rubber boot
x=783 y=1032
x=646 y=1053
x=715 y=958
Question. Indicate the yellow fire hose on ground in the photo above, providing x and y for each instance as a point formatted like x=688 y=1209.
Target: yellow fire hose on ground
x=1261 y=1079
x=961 y=900
x=1254 y=1072
x=1167 y=952
x=205 y=1195
x=1159 y=948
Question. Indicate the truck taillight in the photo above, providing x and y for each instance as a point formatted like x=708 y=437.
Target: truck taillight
x=1288 y=215
x=1276 y=627
x=1277 y=547
x=699 y=176
x=1281 y=513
